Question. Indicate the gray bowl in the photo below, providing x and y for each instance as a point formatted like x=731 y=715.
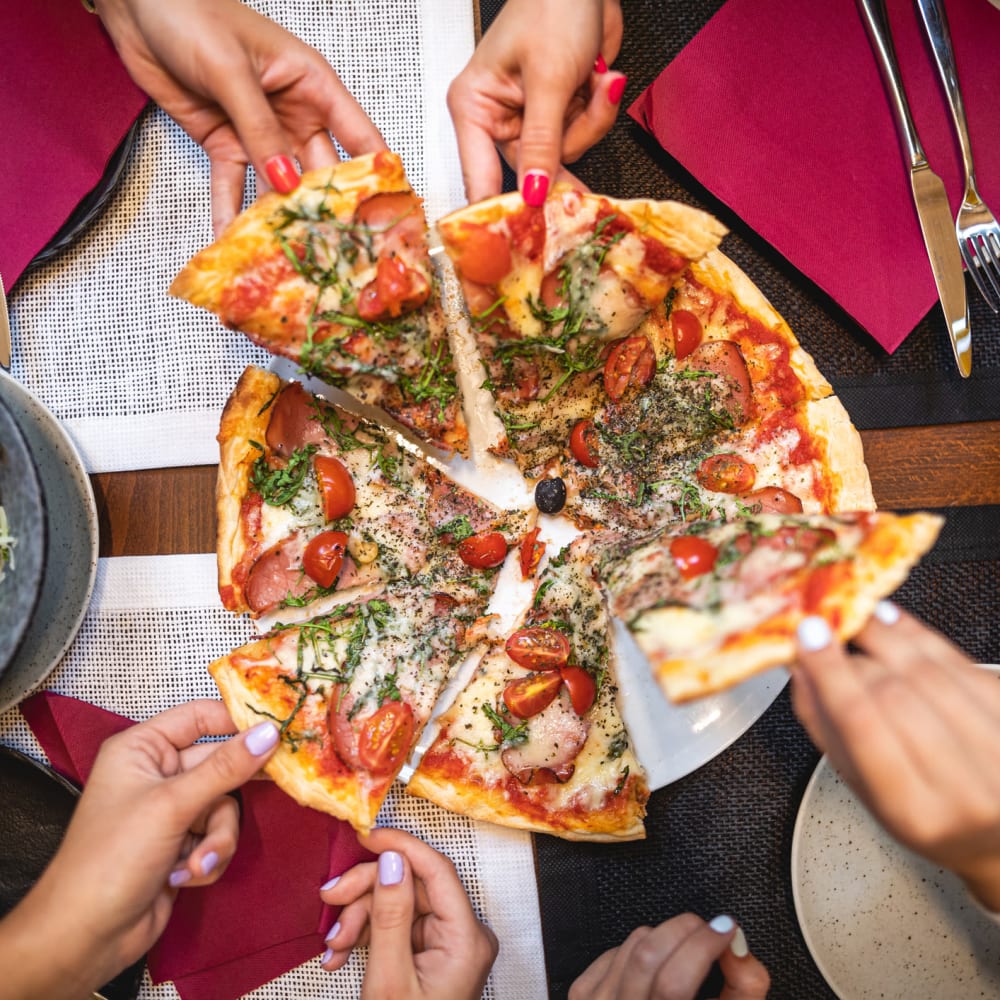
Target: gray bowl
x=24 y=504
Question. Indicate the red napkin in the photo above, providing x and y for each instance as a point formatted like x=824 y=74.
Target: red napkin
x=264 y=916
x=778 y=108
x=66 y=102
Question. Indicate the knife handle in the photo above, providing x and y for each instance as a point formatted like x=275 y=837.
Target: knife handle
x=877 y=25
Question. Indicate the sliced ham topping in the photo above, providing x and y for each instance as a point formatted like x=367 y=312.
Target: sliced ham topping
x=277 y=574
x=772 y=500
x=555 y=737
x=293 y=421
x=396 y=221
x=724 y=359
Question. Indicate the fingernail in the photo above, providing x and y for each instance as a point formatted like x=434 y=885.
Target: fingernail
x=261 y=738
x=887 y=612
x=325 y=957
x=390 y=868
x=722 y=924
x=334 y=931
x=600 y=66
x=738 y=945
x=617 y=89
x=330 y=884
x=814 y=634
x=178 y=878
x=282 y=174
x=208 y=863
x=536 y=187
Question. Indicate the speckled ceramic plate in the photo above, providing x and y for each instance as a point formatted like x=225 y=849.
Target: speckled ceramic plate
x=71 y=563
x=881 y=923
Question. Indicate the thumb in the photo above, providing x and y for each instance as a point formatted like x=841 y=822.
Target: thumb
x=390 y=949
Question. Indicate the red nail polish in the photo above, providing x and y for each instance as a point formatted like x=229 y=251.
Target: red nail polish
x=600 y=66
x=282 y=174
x=536 y=186
x=617 y=89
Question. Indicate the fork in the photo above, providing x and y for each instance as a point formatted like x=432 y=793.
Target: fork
x=977 y=230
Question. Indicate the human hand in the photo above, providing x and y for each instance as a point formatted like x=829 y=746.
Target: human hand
x=154 y=816
x=242 y=87
x=672 y=961
x=409 y=907
x=913 y=726
x=538 y=87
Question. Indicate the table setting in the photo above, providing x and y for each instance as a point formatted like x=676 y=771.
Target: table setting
x=772 y=116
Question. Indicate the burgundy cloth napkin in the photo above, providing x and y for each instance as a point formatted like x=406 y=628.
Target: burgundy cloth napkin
x=778 y=108
x=264 y=916
x=66 y=102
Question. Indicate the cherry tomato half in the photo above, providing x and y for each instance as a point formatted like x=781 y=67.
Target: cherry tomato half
x=324 y=556
x=583 y=444
x=530 y=554
x=483 y=255
x=693 y=555
x=527 y=696
x=483 y=551
x=581 y=687
x=538 y=648
x=631 y=362
x=336 y=485
x=726 y=473
x=395 y=289
x=687 y=331
x=385 y=738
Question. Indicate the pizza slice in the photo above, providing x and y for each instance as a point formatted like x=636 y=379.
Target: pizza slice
x=711 y=603
x=351 y=692
x=311 y=499
x=550 y=290
x=337 y=277
x=536 y=739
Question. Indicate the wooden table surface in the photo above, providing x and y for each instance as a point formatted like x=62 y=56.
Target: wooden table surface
x=171 y=511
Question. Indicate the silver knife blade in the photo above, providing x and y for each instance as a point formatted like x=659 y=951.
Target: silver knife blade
x=4 y=329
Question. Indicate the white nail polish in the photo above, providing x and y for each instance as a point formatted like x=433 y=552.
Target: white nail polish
x=887 y=612
x=814 y=634
x=738 y=945
x=722 y=924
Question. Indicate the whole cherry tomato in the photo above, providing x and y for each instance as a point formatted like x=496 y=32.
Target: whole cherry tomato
x=484 y=550
x=583 y=444
x=538 y=648
x=631 y=362
x=726 y=473
x=324 y=556
x=687 y=331
x=385 y=738
x=336 y=486
x=693 y=555
x=581 y=687
x=527 y=696
x=530 y=554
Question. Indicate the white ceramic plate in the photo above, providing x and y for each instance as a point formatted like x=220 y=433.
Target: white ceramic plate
x=881 y=923
x=71 y=566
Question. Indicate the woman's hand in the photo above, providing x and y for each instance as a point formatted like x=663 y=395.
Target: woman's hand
x=537 y=87
x=913 y=726
x=409 y=907
x=672 y=961
x=242 y=87
x=154 y=816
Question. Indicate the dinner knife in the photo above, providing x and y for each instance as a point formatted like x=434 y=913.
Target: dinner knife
x=4 y=329
x=933 y=210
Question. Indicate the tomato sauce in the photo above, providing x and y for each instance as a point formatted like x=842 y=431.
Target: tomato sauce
x=527 y=231
x=254 y=289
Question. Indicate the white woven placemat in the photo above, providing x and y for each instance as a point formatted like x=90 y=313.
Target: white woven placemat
x=138 y=378
x=153 y=625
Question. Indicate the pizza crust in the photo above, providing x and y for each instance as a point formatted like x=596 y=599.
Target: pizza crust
x=845 y=468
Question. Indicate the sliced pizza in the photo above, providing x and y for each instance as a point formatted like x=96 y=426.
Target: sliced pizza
x=311 y=499
x=351 y=691
x=711 y=603
x=536 y=739
x=337 y=277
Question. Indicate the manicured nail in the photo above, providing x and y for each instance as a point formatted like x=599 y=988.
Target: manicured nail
x=738 y=945
x=600 y=66
x=325 y=957
x=722 y=924
x=334 y=931
x=330 y=884
x=390 y=868
x=261 y=738
x=814 y=634
x=617 y=89
x=887 y=612
x=536 y=187
x=208 y=863
x=178 y=878
x=282 y=174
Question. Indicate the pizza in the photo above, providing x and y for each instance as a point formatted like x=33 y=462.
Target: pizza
x=711 y=603
x=336 y=276
x=536 y=739
x=312 y=500
x=350 y=691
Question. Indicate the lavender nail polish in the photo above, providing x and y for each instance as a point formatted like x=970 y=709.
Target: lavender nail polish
x=178 y=878
x=334 y=931
x=208 y=863
x=330 y=884
x=814 y=634
x=261 y=738
x=390 y=868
